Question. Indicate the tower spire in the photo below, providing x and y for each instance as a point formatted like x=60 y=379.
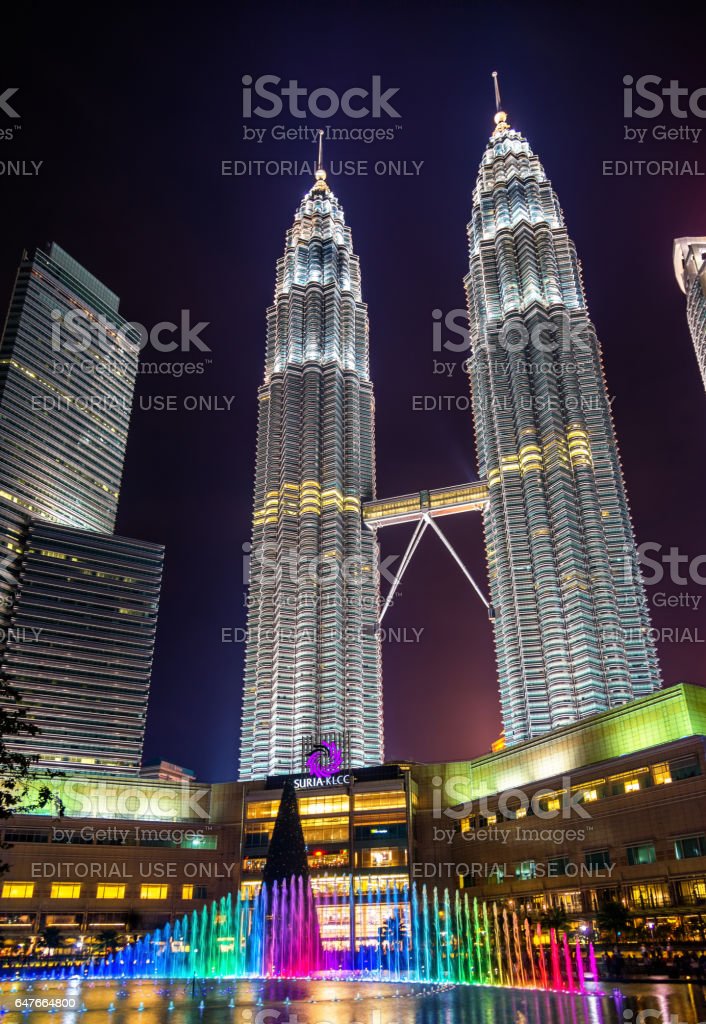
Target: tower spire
x=498 y=106
x=501 y=123
x=320 y=173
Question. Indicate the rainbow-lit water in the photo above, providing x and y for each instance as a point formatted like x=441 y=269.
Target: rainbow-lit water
x=434 y=937
x=325 y=1002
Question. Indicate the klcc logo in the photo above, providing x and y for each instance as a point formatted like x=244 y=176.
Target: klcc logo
x=324 y=769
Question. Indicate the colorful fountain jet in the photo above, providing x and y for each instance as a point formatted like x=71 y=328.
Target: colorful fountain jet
x=431 y=936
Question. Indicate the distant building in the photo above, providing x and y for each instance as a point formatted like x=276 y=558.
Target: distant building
x=690 y=271
x=165 y=771
x=78 y=606
x=79 y=645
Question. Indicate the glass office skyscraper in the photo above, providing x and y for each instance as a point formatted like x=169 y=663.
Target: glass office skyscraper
x=690 y=270
x=571 y=623
x=312 y=670
x=78 y=605
x=68 y=363
x=80 y=645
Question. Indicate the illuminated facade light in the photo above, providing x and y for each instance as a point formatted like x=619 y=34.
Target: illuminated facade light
x=312 y=671
x=690 y=271
x=571 y=622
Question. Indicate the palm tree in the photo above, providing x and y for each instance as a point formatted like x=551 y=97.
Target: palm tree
x=107 y=940
x=52 y=938
x=613 y=917
x=555 y=917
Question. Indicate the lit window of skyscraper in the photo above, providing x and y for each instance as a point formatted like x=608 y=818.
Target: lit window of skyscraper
x=312 y=670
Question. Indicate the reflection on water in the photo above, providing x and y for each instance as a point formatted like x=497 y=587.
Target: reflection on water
x=335 y=1002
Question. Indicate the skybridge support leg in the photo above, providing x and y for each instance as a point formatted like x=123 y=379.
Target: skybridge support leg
x=406 y=559
x=464 y=570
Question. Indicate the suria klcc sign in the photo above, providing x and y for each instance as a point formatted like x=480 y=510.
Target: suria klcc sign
x=307 y=782
x=324 y=763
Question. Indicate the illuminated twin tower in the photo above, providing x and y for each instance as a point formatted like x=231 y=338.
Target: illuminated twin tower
x=567 y=603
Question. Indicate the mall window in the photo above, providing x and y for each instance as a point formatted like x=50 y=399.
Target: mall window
x=333 y=803
x=526 y=870
x=154 y=892
x=384 y=831
x=330 y=885
x=597 y=859
x=632 y=785
x=690 y=846
x=252 y=864
x=328 y=858
x=380 y=801
x=557 y=866
x=380 y=883
x=110 y=892
x=258 y=835
x=694 y=890
x=199 y=842
x=17 y=890
x=649 y=896
x=26 y=835
x=661 y=774
x=325 y=830
x=569 y=901
x=262 y=809
x=685 y=768
x=65 y=890
x=382 y=857
x=644 y=854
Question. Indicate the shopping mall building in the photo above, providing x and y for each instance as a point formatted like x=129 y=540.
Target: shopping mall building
x=611 y=807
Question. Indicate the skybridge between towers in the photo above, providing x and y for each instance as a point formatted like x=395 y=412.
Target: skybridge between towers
x=423 y=508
